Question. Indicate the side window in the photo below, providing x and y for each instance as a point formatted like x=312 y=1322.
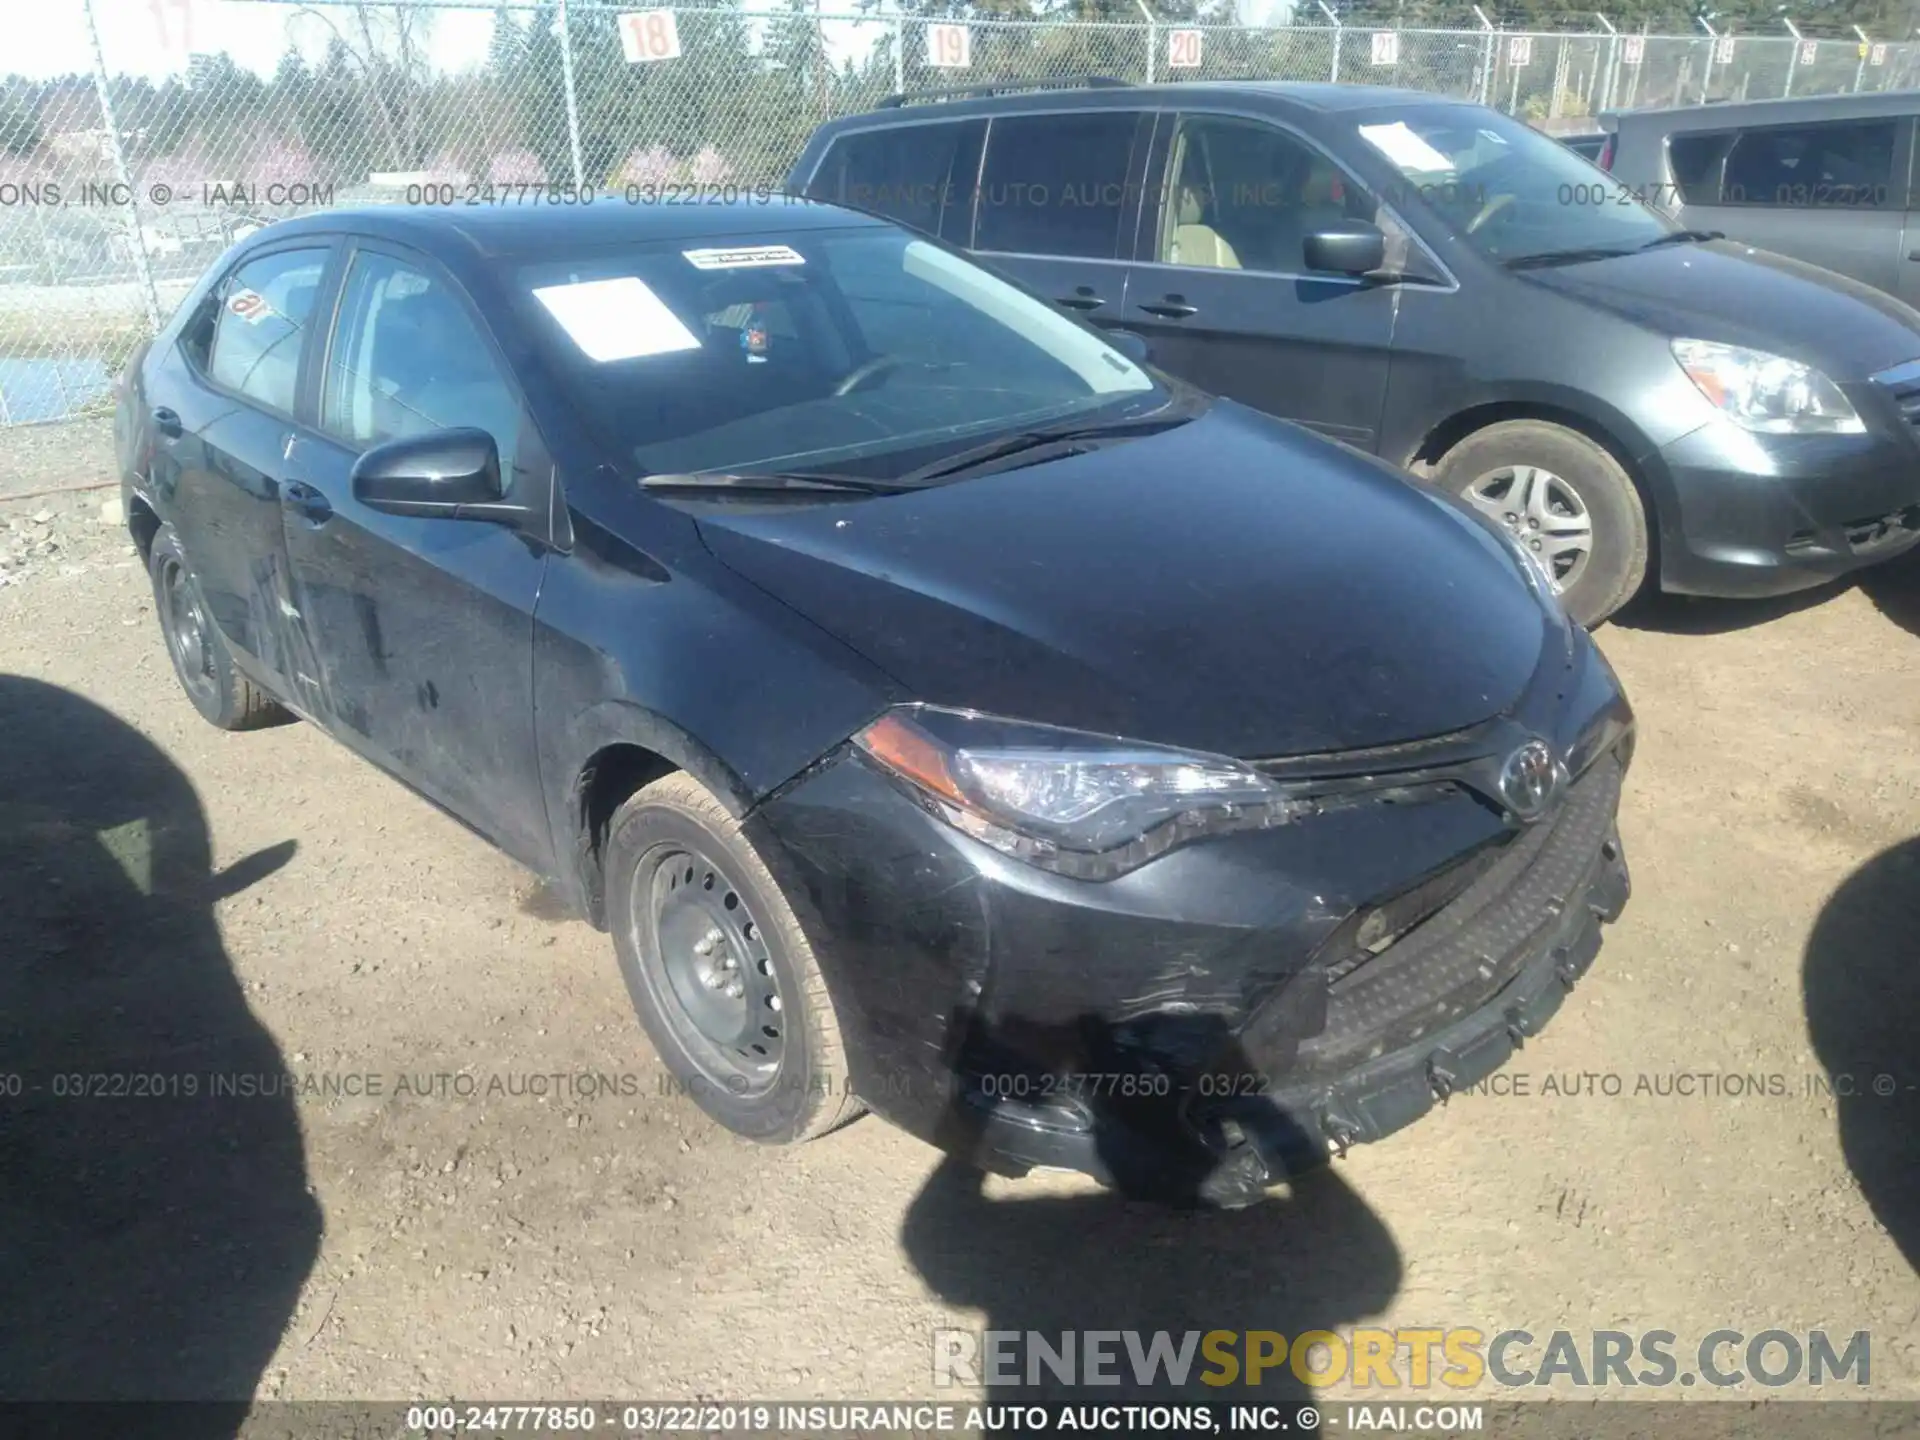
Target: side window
x=264 y=308
x=1695 y=162
x=1244 y=196
x=1810 y=167
x=407 y=359
x=1056 y=184
x=919 y=175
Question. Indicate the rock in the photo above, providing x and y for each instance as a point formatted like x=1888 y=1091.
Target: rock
x=42 y=517
x=112 y=512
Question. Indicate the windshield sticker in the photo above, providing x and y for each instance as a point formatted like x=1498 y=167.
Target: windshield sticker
x=1404 y=148
x=250 y=305
x=616 y=319
x=747 y=258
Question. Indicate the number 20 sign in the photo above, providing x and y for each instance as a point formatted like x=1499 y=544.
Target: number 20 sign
x=647 y=35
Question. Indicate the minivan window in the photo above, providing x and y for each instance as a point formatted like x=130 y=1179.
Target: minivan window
x=1244 y=196
x=1806 y=167
x=1695 y=162
x=921 y=175
x=1509 y=190
x=1055 y=184
x=265 y=307
x=843 y=348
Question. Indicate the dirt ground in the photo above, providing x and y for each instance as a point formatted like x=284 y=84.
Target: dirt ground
x=195 y=902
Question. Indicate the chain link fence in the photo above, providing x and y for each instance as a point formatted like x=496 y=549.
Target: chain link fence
x=119 y=186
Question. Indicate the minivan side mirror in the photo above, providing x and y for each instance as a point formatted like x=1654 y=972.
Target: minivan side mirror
x=444 y=474
x=1130 y=343
x=1352 y=247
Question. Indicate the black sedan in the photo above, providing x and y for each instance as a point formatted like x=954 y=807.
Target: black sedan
x=946 y=713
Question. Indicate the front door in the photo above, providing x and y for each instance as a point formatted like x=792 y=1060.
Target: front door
x=420 y=631
x=1222 y=290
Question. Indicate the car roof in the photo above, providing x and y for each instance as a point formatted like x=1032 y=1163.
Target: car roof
x=529 y=228
x=1769 y=112
x=1280 y=95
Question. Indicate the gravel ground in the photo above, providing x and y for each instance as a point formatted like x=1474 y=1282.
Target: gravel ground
x=251 y=903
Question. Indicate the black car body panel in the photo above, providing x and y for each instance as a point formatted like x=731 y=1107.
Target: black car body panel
x=1406 y=364
x=1199 y=587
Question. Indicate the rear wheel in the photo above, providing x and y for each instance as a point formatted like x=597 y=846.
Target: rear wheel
x=718 y=969
x=1564 y=498
x=223 y=696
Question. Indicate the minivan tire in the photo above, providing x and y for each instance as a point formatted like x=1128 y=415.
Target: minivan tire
x=201 y=661
x=677 y=862
x=1616 y=565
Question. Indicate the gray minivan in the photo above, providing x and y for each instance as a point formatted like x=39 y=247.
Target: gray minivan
x=1826 y=179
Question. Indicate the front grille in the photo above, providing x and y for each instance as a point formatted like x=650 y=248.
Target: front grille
x=1496 y=909
x=1902 y=383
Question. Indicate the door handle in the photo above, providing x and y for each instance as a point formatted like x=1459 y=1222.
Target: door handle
x=1173 y=308
x=1913 y=254
x=1082 y=298
x=309 y=502
x=167 y=422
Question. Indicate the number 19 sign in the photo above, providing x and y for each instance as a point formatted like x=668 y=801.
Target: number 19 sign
x=949 y=47
x=648 y=35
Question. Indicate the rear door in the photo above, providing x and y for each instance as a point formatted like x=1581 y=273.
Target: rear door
x=420 y=630
x=223 y=416
x=1058 y=202
x=1832 y=193
x=1222 y=289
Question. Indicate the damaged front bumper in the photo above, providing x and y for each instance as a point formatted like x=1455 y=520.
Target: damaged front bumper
x=1227 y=1014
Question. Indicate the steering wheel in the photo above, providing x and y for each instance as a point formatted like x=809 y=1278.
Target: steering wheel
x=857 y=378
x=1487 y=211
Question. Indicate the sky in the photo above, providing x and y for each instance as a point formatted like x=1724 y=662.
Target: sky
x=154 y=37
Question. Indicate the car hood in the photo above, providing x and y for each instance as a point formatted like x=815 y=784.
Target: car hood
x=1727 y=291
x=1233 y=585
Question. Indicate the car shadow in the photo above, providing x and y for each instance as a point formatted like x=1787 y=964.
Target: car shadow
x=1155 y=1253
x=154 y=1234
x=1665 y=614
x=1894 y=588
x=1861 y=985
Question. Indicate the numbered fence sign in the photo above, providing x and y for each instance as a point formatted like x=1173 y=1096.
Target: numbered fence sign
x=1386 y=47
x=1632 y=50
x=648 y=35
x=1520 y=50
x=1723 y=51
x=1877 y=55
x=949 y=46
x=1809 y=51
x=1183 y=49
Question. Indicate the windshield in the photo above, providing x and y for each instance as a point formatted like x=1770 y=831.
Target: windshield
x=1510 y=190
x=863 y=349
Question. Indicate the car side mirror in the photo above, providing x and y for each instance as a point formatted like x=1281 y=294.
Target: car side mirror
x=1352 y=247
x=1131 y=344
x=444 y=474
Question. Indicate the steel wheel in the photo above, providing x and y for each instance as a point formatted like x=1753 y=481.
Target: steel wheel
x=724 y=997
x=1543 y=512
x=189 y=634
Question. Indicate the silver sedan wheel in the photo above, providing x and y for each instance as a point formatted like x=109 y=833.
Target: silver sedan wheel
x=1544 y=513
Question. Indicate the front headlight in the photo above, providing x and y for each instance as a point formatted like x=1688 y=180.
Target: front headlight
x=1767 y=393
x=1082 y=804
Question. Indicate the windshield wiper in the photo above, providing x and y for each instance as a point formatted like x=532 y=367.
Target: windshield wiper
x=1576 y=255
x=770 y=482
x=1023 y=440
x=1684 y=237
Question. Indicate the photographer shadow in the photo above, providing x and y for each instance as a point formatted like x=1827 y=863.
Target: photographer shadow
x=154 y=1236
x=1185 y=1240
x=1861 y=983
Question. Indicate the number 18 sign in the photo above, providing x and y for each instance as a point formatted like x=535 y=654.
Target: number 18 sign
x=648 y=35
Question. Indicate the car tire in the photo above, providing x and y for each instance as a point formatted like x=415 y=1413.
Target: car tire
x=201 y=661
x=1567 y=480
x=681 y=874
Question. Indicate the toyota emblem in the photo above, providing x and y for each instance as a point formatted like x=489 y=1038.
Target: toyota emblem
x=1530 y=780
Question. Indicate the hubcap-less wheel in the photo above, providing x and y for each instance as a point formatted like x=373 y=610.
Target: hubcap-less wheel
x=725 y=1001
x=187 y=634
x=1544 y=513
